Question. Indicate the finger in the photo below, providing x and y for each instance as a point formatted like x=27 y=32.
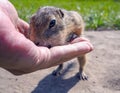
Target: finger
x=64 y=53
x=79 y=39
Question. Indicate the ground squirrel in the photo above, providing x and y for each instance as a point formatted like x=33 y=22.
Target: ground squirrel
x=52 y=26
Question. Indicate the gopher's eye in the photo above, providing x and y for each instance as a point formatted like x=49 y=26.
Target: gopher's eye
x=52 y=23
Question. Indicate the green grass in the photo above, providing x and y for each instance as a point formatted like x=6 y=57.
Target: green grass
x=97 y=14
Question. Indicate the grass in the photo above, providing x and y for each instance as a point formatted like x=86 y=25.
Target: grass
x=97 y=14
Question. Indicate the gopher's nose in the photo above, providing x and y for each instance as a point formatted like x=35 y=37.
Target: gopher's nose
x=37 y=43
x=49 y=46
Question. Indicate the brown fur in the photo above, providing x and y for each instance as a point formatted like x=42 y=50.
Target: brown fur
x=52 y=26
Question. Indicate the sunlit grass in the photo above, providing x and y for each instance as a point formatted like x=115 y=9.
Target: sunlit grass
x=97 y=14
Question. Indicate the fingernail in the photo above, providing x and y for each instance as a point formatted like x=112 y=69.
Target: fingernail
x=90 y=46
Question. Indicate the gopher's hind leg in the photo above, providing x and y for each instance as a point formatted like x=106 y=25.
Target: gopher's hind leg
x=81 y=74
x=58 y=71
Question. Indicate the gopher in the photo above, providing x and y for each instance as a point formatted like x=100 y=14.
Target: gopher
x=51 y=26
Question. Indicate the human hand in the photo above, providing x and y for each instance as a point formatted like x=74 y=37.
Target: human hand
x=19 y=55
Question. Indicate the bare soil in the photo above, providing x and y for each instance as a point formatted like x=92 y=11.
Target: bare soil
x=103 y=69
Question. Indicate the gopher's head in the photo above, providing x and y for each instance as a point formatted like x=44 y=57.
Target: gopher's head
x=46 y=26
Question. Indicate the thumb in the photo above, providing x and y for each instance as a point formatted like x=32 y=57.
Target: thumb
x=23 y=27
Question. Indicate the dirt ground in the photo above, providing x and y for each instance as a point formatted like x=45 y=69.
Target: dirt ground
x=103 y=69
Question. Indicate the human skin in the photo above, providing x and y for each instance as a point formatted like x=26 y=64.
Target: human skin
x=19 y=55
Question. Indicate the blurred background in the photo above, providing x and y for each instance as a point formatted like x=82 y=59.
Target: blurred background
x=97 y=14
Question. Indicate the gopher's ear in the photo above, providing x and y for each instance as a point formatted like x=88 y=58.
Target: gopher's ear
x=60 y=12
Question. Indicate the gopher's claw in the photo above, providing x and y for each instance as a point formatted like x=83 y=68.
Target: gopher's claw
x=82 y=76
x=56 y=73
